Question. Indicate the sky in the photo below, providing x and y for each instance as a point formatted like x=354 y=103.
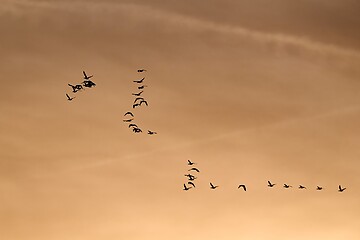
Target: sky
x=250 y=91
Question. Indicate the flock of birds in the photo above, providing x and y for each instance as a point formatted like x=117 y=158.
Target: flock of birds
x=191 y=179
x=138 y=102
x=87 y=83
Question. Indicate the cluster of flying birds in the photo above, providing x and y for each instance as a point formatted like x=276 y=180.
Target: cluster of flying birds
x=87 y=83
x=191 y=178
x=138 y=102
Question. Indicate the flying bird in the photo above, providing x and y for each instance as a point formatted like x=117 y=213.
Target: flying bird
x=191 y=183
x=87 y=77
x=88 y=83
x=132 y=125
x=137 y=130
x=191 y=177
x=186 y=188
x=69 y=98
x=138 y=94
x=151 y=132
x=341 y=189
x=190 y=162
x=194 y=169
x=76 y=88
x=319 y=188
x=142 y=87
x=138 y=98
x=286 y=186
x=139 y=81
x=128 y=120
x=212 y=186
x=271 y=184
x=302 y=187
x=136 y=105
x=141 y=70
x=129 y=113
x=143 y=101
x=243 y=186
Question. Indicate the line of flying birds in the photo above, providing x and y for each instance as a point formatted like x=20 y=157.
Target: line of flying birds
x=86 y=83
x=138 y=102
x=191 y=179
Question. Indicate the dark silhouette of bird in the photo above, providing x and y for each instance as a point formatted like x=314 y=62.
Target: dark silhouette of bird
x=151 y=132
x=88 y=83
x=139 y=81
x=76 y=88
x=132 y=125
x=138 y=94
x=242 y=186
x=142 y=87
x=128 y=120
x=286 y=186
x=319 y=188
x=212 y=186
x=136 y=105
x=69 y=98
x=302 y=187
x=186 y=188
x=138 y=98
x=191 y=183
x=141 y=70
x=194 y=169
x=271 y=184
x=87 y=77
x=143 y=101
x=190 y=163
x=341 y=189
x=137 y=130
x=191 y=177
x=129 y=113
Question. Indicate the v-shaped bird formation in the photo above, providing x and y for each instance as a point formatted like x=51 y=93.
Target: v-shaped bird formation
x=87 y=83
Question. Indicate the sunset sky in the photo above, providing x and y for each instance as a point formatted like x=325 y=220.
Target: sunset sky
x=249 y=90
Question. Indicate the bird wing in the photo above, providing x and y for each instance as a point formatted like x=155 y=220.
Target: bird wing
x=191 y=183
x=67 y=96
x=132 y=125
x=211 y=185
x=269 y=183
x=84 y=74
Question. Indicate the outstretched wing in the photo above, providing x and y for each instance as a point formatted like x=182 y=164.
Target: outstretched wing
x=211 y=185
x=85 y=76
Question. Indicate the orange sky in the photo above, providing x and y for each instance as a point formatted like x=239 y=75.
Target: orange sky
x=249 y=90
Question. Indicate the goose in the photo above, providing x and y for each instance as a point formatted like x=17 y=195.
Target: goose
x=139 y=81
x=190 y=163
x=271 y=184
x=194 y=169
x=286 y=186
x=186 y=188
x=142 y=87
x=87 y=77
x=129 y=113
x=151 y=132
x=138 y=94
x=341 y=189
x=69 y=98
x=212 y=186
x=302 y=187
x=243 y=186
x=141 y=70
x=319 y=188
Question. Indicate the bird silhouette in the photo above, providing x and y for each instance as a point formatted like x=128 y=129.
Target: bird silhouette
x=142 y=87
x=271 y=184
x=138 y=94
x=136 y=105
x=129 y=113
x=143 y=101
x=128 y=120
x=341 y=189
x=319 y=188
x=87 y=77
x=194 y=169
x=186 y=188
x=286 y=186
x=132 y=125
x=190 y=163
x=242 y=186
x=141 y=70
x=76 y=88
x=212 y=186
x=69 y=98
x=302 y=187
x=138 y=98
x=191 y=177
x=139 y=81
x=191 y=183
x=88 y=83
x=151 y=132
x=137 y=130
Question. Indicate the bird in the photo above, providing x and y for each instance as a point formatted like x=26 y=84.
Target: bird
x=243 y=186
x=138 y=98
x=88 y=83
x=190 y=163
x=286 y=186
x=194 y=169
x=128 y=120
x=69 y=98
x=138 y=94
x=87 y=77
x=341 y=189
x=137 y=130
x=186 y=188
x=142 y=86
x=141 y=70
x=151 y=132
x=192 y=184
x=191 y=177
x=319 y=188
x=76 y=87
x=271 y=184
x=212 y=186
x=132 y=125
x=302 y=187
x=139 y=81
x=136 y=105
x=129 y=113
x=143 y=101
